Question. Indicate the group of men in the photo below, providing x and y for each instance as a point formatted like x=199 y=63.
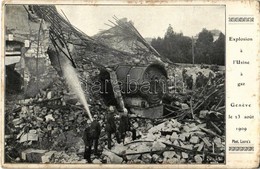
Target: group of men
x=92 y=132
x=201 y=80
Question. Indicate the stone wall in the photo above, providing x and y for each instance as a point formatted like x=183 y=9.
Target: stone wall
x=34 y=34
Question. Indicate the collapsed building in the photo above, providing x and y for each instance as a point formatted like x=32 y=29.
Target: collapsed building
x=28 y=67
x=47 y=126
x=46 y=44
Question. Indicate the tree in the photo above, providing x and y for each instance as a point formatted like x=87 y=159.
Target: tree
x=178 y=48
x=204 y=47
x=174 y=46
x=219 y=50
x=169 y=33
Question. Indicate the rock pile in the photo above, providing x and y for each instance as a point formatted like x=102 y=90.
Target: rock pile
x=48 y=129
x=174 y=142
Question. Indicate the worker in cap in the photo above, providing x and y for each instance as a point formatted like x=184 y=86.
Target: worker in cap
x=95 y=130
x=110 y=125
x=91 y=135
x=200 y=80
x=125 y=125
x=189 y=82
x=87 y=138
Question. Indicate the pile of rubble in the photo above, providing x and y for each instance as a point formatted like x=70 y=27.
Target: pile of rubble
x=48 y=129
x=53 y=120
x=172 y=142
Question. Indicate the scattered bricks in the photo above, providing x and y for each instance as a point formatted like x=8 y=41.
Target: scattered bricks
x=127 y=140
x=24 y=153
x=149 y=125
x=198 y=159
x=192 y=125
x=164 y=139
x=96 y=161
x=143 y=148
x=36 y=110
x=175 y=129
x=132 y=147
x=25 y=101
x=160 y=160
x=178 y=124
x=194 y=139
x=33 y=137
x=189 y=146
x=199 y=146
x=137 y=161
x=17 y=122
x=39 y=119
x=186 y=128
x=186 y=134
x=49 y=117
x=49 y=127
x=157 y=146
x=217 y=140
x=184 y=155
x=176 y=142
x=18 y=160
x=82 y=161
x=71 y=118
x=24 y=112
x=147 y=158
x=135 y=125
x=172 y=161
x=132 y=157
x=174 y=137
x=28 y=137
x=182 y=137
x=150 y=136
x=119 y=149
x=218 y=143
x=206 y=141
x=183 y=160
x=174 y=123
x=155 y=157
x=203 y=114
x=184 y=106
x=198 y=133
x=33 y=155
x=47 y=156
x=168 y=154
x=178 y=157
x=195 y=128
x=50 y=95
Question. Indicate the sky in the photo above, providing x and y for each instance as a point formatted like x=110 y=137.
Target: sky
x=150 y=21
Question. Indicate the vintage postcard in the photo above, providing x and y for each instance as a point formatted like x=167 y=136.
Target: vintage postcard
x=130 y=84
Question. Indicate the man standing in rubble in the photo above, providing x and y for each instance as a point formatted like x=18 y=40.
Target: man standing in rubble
x=110 y=125
x=125 y=125
x=199 y=80
x=189 y=82
x=90 y=136
x=95 y=130
x=88 y=142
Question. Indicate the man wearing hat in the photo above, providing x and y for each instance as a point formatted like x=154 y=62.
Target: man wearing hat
x=125 y=125
x=110 y=125
x=91 y=134
x=95 y=130
x=87 y=138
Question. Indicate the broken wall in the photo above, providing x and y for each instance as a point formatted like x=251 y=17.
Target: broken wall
x=22 y=25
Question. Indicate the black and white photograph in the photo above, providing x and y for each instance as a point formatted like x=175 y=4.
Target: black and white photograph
x=114 y=84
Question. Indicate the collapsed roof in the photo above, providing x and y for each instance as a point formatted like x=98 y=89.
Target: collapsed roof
x=122 y=44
